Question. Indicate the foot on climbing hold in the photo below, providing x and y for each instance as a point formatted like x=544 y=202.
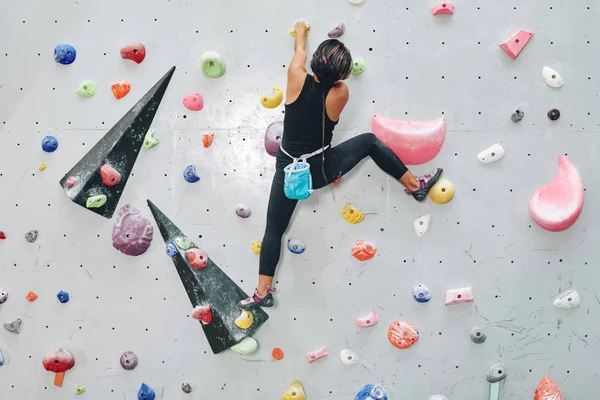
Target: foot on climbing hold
x=421 y=225
x=294 y=392
x=58 y=361
x=245 y=320
x=63 y=297
x=30 y=296
x=150 y=141
x=207 y=139
x=273 y=137
x=277 y=354
x=477 y=336
x=193 y=102
x=274 y=100
x=256 y=247
x=171 y=250
x=306 y=24
x=96 y=201
x=426 y=183
x=368 y=320
x=358 y=66
x=442 y=192
x=557 y=206
x=129 y=360
x=132 y=233
x=120 y=89
x=64 y=54
x=371 y=392
x=496 y=373
x=459 y=296
x=349 y=357
x=186 y=387
x=363 y=251
x=315 y=355
x=421 y=293
x=255 y=301
x=86 y=89
x=517 y=115
x=184 y=243
x=547 y=389
x=202 y=314
x=146 y=393
x=352 y=214
x=42 y=167
x=403 y=334
x=337 y=31
x=246 y=347
x=49 y=144
x=14 y=327
x=295 y=246
x=513 y=45
x=443 y=9
x=190 y=175
x=243 y=211
x=491 y=154
x=213 y=66
x=31 y=236
x=198 y=258
x=552 y=78
x=553 y=114
x=567 y=300
x=79 y=389
x=135 y=52
x=110 y=176
x=3 y=295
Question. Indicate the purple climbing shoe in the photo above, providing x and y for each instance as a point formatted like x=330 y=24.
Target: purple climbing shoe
x=256 y=301
x=426 y=182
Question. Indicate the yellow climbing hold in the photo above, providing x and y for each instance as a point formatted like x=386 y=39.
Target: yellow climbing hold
x=272 y=101
x=294 y=392
x=245 y=320
x=352 y=214
x=442 y=192
x=256 y=247
x=293 y=31
x=43 y=167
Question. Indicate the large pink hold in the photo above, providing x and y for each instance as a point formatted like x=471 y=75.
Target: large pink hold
x=193 y=102
x=413 y=142
x=443 y=9
x=557 y=206
x=273 y=137
x=513 y=45
x=132 y=233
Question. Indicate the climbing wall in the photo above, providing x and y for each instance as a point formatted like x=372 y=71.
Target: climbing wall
x=418 y=68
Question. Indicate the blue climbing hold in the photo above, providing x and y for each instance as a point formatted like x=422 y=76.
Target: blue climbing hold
x=64 y=54
x=63 y=297
x=421 y=293
x=49 y=144
x=171 y=250
x=296 y=246
x=146 y=393
x=1 y=358
x=190 y=175
x=371 y=392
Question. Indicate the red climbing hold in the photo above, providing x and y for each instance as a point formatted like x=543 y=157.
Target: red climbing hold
x=110 y=176
x=71 y=181
x=2 y=235
x=207 y=139
x=513 y=45
x=443 y=9
x=120 y=89
x=134 y=52
x=203 y=314
x=198 y=258
x=363 y=251
x=338 y=180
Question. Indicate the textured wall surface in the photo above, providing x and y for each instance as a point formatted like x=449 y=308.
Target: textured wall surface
x=419 y=67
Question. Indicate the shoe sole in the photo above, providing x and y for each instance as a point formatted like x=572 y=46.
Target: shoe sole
x=421 y=194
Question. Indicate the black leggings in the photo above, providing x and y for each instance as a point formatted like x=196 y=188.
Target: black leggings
x=338 y=161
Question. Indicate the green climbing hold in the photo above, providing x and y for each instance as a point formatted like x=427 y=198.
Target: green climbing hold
x=213 y=66
x=95 y=201
x=247 y=346
x=150 y=141
x=79 y=389
x=183 y=243
x=358 y=66
x=86 y=89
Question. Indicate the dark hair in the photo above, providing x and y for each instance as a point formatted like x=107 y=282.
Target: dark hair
x=331 y=62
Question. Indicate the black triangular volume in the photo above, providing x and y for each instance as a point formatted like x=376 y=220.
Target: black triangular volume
x=212 y=287
x=119 y=149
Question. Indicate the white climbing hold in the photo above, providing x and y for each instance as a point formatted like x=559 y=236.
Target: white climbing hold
x=356 y=1
x=459 y=296
x=349 y=357
x=551 y=77
x=421 y=225
x=247 y=346
x=491 y=154
x=437 y=397
x=567 y=300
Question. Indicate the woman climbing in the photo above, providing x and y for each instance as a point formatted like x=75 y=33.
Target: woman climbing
x=312 y=110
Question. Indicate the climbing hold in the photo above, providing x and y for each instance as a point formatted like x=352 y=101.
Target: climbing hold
x=63 y=297
x=150 y=141
x=30 y=296
x=58 y=361
x=171 y=250
x=547 y=389
x=358 y=66
x=64 y=54
x=42 y=167
x=49 y=144
x=413 y=142
x=294 y=392
x=368 y=320
x=129 y=360
x=496 y=373
x=438 y=397
x=356 y=1
x=551 y=77
x=371 y=392
x=120 y=89
x=352 y=214
x=243 y=211
x=207 y=139
x=337 y=31
x=273 y=137
x=2 y=235
x=14 y=327
x=246 y=347
x=96 y=201
x=193 y=102
x=477 y=336
x=514 y=44
x=256 y=247
x=79 y=389
x=190 y=175
x=567 y=300
x=293 y=31
x=198 y=258
x=349 y=357
x=459 y=296
x=402 y=334
x=202 y=314
x=517 y=115
x=553 y=114
x=86 y=89
x=363 y=251
x=338 y=180
x=421 y=225
x=421 y=293
x=295 y=246
x=491 y=154
x=557 y=206
x=245 y=320
x=110 y=176
x=442 y=192
x=186 y=387
x=315 y=355
x=3 y=295
x=183 y=242
x=132 y=233
x=135 y=52
x=274 y=100
x=213 y=66
x=71 y=181
x=443 y=9
x=146 y=393
x=277 y=354
x=1 y=358
x=31 y=236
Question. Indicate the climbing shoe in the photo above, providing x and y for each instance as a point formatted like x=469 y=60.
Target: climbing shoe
x=256 y=301
x=426 y=182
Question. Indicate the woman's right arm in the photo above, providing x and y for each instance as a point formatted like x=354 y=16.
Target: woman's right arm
x=297 y=69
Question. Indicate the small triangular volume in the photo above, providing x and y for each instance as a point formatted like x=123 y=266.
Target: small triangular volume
x=514 y=44
x=98 y=180
x=208 y=286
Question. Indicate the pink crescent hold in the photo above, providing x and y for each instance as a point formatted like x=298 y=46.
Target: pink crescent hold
x=413 y=142
x=368 y=320
x=514 y=44
x=443 y=9
x=557 y=206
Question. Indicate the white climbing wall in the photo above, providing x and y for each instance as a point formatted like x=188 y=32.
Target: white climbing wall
x=418 y=67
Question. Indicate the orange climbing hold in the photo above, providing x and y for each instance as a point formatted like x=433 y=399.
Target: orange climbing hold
x=277 y=354
x=363 y=251
x=120 y=89
x=547 y=389
x=403 y=334
x=207 y=139
x=338 y=180
x=31 y=296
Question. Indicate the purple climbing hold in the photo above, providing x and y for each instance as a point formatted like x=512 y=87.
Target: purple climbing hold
x=242 y=210
x=186 y=387
x=337 y=31
x=273 y=137
x=132 y=233
x=129 y=360
x=554 y=114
